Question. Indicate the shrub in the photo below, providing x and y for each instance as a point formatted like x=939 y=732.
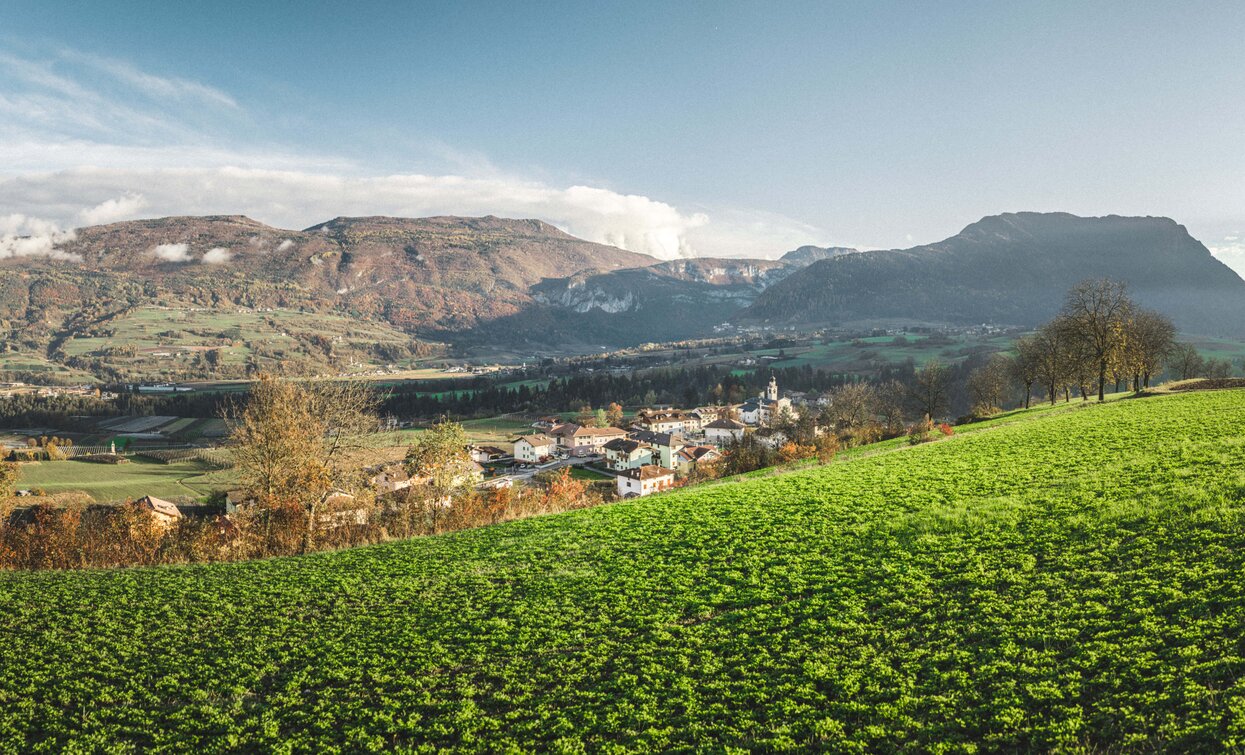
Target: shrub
x=919 y=432
x=946 y=429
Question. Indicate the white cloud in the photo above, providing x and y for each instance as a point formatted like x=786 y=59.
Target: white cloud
x=78 y=131
x=124 y=207
x=297 y=199
x=25 y=236
x=172 y=252
x=217 y=256
x=1231 y=252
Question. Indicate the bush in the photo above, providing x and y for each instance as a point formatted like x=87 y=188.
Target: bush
x=945 y=429
x=919 y=432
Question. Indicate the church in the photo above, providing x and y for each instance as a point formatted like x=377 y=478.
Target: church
x=763 y=409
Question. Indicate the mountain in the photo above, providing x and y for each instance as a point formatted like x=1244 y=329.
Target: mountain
x=1015 y=269
x=807 y=255
x=422 y=277
x=666 y=301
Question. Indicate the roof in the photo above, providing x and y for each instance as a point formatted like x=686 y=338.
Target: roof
x=160 y=506
x=599 y=431
x=625 y=445
x=770 y=432
x=696 y=453
x=566 y=428
x=648 y=472
x=491 y=450
x=726 y=424
x=657 y=439
x=536 y=440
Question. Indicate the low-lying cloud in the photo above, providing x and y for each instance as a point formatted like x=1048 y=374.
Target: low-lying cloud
x=172 y=252
x=25 y=236
x=217 y=256
x=294 y=199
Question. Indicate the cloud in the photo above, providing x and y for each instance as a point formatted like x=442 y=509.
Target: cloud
x=172 y=252
x=25 y=236
x=297 y=199
x=217 y=256
x=1231 y=252
x=81 y=131
x=111 y=210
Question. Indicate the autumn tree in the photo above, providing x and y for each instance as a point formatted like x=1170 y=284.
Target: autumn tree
x=1150 y=339
x=291 y=439
x=1098 y=311
x=614 y=415
x=585 y=416
x=439 y=460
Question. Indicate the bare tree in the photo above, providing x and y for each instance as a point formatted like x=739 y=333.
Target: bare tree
x=1185 y=361
x=987 y=385
x=1053 y=352
x=1150 y=339
x=1025 y=365
x=1098 y=310
x=930 y=388
x=852 y=405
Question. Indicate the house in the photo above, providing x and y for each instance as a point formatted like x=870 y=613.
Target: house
x=624 y=453
x=547 y=423
x=665 y=445
x=534 y=448
x=644 y=480
x=770 y=438
x=708 y=414
x=485 y=454
x=666 y=421
x=723 y=431
x=689 y=456
x=389 y=479
x=585 y=441
x=236 y=499
x=164 y=512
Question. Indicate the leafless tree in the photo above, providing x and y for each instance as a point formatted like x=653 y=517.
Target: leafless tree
x=1099 y=310
x=930 y=388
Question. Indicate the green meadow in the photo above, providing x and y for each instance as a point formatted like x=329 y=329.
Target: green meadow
x=1064 y=579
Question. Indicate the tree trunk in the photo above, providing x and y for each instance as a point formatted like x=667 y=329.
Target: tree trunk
x=1028 y=394
x=1102 y=380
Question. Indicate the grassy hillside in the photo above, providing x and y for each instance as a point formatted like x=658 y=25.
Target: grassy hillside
x=1067 y=580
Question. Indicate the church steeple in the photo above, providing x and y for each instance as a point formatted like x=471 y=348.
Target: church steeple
x=771 y=391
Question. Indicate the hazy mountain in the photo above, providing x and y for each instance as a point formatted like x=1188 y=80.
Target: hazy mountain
x=807 y=255
x=1015 y=269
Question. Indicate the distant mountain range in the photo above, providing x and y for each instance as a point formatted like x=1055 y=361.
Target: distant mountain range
x=526 y=286
x=1015 y=269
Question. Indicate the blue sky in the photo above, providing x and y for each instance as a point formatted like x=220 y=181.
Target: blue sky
x=725 y=128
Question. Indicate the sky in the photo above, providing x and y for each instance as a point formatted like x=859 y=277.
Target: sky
x=672 y=128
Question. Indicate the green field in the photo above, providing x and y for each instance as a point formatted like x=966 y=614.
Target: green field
x=1066 y=579
x=117 y=482
x=161 y=342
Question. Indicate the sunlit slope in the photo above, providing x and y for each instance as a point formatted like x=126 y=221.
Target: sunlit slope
x=1069 y=580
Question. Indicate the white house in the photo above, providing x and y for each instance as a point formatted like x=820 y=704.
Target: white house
x=665 y=445
x=644 y=480
x=534 y=448
x=723 y=431
x=623 y=453
x=584 y=441
x=689 y=456
x=770 y=438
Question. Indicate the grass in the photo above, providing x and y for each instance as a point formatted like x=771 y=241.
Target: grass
x=117 y=482
x=1067 y=579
